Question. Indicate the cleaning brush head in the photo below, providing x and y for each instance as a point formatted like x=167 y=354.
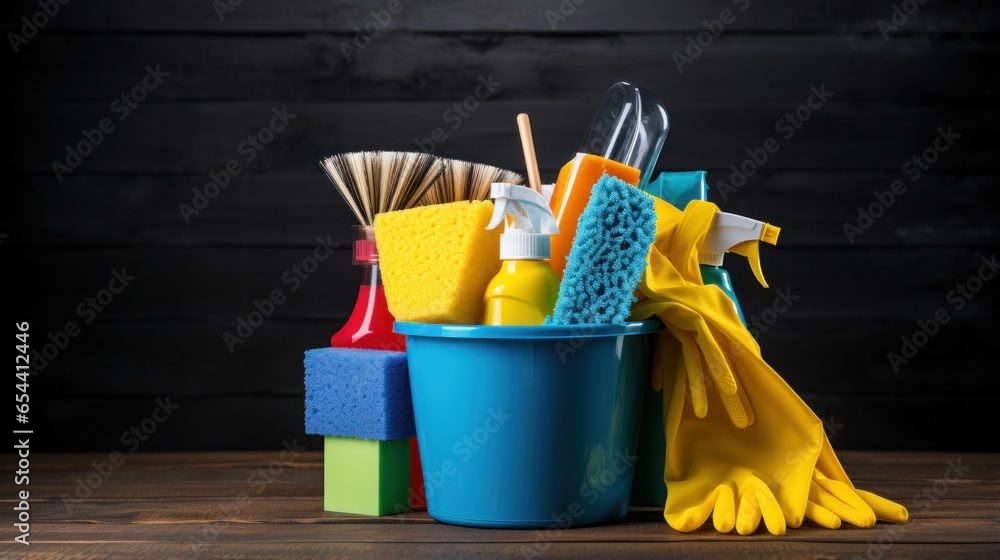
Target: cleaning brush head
x=376 y=182
x=463 y=180
x=608 y=255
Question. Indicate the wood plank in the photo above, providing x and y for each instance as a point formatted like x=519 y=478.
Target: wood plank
x=170 y=460
x=865 y=465
x=291 y=210
x=212 y=423
x=302 y=503
x=835 y=277
x=850 y=358
x=179 y=504
x=679 y=550
x=812 y=209
x=915 y=531
x=222 y=284
x=167 y=478
x=708 y=135
x=518 y=16
x=177 y=282
x=903 y=423
x=310 y=510
x=817 y=358
x=259 y=210
x=754 y=67
x=264 y=422
x=190 y=359
x=900 y=466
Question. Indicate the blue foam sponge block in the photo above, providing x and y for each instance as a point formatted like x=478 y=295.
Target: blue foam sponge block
x=608 y=255
x=358 y=394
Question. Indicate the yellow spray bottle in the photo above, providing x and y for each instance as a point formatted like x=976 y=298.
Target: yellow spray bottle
x=524 y=292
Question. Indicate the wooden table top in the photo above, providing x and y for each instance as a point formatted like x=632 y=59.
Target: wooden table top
x=178 y=505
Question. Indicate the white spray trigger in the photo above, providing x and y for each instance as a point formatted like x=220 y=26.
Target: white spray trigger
x=528 y=209
x=738 y=234
x=527 y=234
x=499 y=212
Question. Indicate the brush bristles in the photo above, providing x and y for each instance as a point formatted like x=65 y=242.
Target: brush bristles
x=462 y=180
x=376 y=182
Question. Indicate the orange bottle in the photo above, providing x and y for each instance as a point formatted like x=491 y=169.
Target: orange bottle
x=571 y=194
x=624 y=141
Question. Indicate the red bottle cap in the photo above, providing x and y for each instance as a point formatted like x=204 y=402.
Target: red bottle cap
x=364 y=245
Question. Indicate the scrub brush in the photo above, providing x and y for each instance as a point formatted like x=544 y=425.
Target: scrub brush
x=608 y=255
x=377 y=182
x=463 y=180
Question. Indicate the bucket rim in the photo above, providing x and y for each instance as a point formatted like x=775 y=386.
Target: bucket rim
x=435 y=330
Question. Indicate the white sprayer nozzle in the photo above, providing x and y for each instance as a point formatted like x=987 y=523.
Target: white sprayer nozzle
x=728 y=230
x=527 y=237
x=731 y=232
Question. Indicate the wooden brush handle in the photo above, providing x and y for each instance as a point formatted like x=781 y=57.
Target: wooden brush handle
x=528 y=146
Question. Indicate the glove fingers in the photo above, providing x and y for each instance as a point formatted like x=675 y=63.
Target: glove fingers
x=692 y=360
x=733 y=404
x=724 y=514
x=718 y=364
x=822 y=516
x=748 y=517
x=770 y=510
x=725 y=382
x=696 y=388
x=734 y=407
x=715 y=358
x=747 y=409
x=845 y=512
x=884 y=509
x=850 y=497
x=693 y=517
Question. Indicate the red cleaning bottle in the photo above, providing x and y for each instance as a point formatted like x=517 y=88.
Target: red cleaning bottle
x=370 y=324
x=370 y=327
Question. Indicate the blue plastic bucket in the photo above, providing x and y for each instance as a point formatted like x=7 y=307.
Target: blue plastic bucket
x=527 y=426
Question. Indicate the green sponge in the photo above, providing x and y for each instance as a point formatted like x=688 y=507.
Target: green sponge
x=366 y=476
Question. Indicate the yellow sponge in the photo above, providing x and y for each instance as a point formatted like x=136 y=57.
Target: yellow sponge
x=437 y=261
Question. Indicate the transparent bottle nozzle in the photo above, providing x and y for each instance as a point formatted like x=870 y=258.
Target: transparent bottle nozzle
x=629 y=127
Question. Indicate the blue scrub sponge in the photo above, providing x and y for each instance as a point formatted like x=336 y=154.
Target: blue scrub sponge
x=358 y=394
x=608 y=255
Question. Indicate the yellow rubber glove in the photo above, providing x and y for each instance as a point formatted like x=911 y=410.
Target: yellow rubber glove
x=698 y=309
x=740 y=476
x=776 y=466
x=833 y=491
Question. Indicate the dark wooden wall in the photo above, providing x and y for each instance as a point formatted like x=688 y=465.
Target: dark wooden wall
x=163 y=335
